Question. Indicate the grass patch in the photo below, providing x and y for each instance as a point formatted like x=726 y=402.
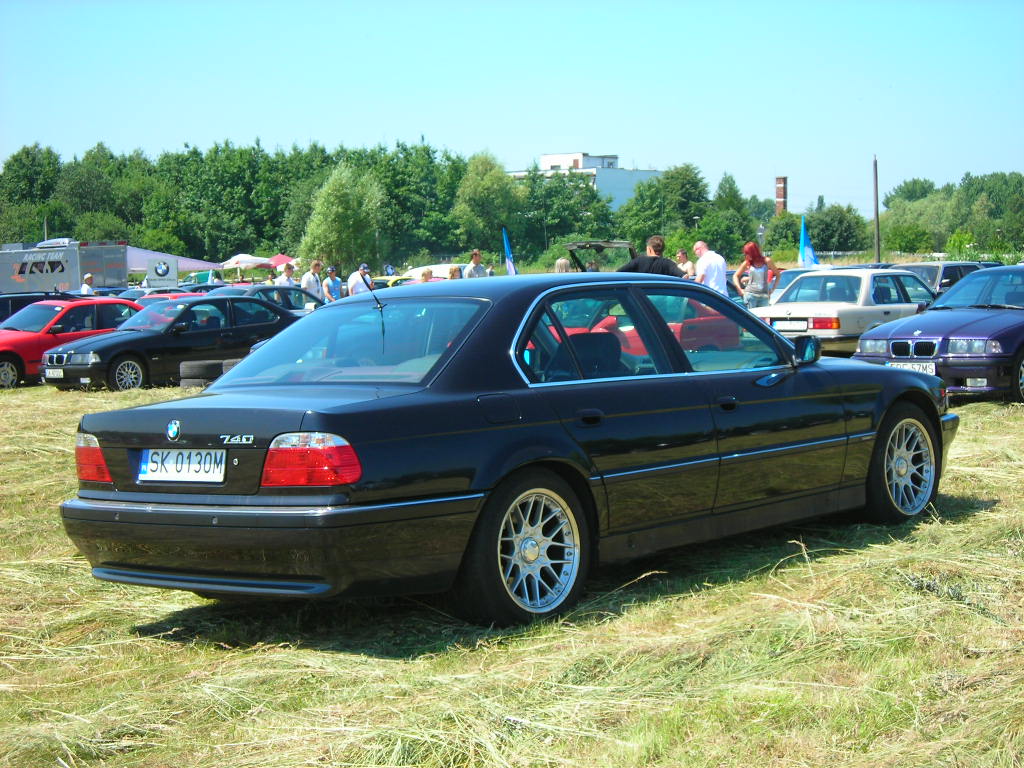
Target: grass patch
x=833 y=642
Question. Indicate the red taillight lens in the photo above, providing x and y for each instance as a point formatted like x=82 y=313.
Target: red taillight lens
x=92 y=467
x=310 y=458
x=825 y=323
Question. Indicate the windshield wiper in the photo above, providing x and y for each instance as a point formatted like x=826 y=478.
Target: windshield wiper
x=8 y=328
x=996 y=306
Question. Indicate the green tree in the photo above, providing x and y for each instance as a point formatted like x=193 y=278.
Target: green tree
x=725 y=231
x=837 y=228
x=686 y=196
x=345 y=220
x=21 y=223
x=100 y=225
x=961 y=243
x=84 y=187
x=760 y=209
x=644 y=214
x=908 y=238
x=487 y=199
x=909 y=191
x=29 y=175
x=728 y=197
x=783 y=232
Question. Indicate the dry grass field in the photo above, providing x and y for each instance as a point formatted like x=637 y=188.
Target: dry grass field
x=834 y=643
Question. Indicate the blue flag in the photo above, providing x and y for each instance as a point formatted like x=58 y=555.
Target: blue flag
x=510 y=262
x=807 y=256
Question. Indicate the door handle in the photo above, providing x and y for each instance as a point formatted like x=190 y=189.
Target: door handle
x=590 y=417
x=726 y=402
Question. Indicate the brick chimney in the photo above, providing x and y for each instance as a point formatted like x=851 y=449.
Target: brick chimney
x=781 y=197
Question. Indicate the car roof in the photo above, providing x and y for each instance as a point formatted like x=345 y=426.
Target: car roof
x=854 y=271
x=87 y=300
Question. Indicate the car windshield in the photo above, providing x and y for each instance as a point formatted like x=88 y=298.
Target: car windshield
x=32 y=318
x=405 y=341
x=155 y=317
x=927 y=272
x=809 y=287
x=985 y=287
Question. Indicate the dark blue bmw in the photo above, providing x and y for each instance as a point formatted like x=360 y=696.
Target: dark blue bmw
x=972 y=336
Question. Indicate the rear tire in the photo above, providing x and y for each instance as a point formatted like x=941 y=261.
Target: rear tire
x=126 y=372
x=529 y=554
x=11 y=372
x=904 y=475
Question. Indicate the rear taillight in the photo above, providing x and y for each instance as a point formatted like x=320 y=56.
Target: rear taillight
x=92 y=467
x=310 y=458
x=824 y=323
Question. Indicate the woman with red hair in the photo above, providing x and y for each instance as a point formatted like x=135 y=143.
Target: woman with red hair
x=762 y=274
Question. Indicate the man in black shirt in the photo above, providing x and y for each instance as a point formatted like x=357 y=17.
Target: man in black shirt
x=653 y=261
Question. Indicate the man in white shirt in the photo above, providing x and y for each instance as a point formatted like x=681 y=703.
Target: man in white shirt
x=357 y=281
x=475 y=268
x=87 y=289
x=286 y=278
x=710 y=268
x=311 y=280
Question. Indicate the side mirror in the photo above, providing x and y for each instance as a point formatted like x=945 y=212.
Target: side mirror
x=180 y=327
x=55 y=329
x=808 y=350
x=310 y=306
x=922 y=306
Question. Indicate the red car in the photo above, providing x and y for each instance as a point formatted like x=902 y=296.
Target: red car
x=29 y=332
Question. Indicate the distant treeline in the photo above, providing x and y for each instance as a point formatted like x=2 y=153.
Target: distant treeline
x=415 y=203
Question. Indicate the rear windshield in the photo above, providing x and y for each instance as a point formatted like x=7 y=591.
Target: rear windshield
x=822 y=288
x=404 y=341
x=927 y=272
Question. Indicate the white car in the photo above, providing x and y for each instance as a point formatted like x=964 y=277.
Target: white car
x=838 y=305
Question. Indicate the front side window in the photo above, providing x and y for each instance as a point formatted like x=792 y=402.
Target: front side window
x=205 y=317
x=917 y=291
x=78 y=319
x=713 y=336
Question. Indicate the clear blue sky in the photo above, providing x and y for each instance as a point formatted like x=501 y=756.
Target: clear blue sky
x=808 y=90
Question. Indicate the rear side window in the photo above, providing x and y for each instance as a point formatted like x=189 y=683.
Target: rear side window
x=112 y=315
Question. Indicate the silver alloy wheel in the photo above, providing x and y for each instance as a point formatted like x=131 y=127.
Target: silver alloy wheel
x=1020 y=380
x=910 y=466
x=539 y=550
x=8 y=374
x=128 y=375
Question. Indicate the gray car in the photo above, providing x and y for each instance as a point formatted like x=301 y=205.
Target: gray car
x=291 y=298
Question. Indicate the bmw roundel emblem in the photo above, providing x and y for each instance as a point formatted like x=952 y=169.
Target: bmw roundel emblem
x=162 y=269
x=173 y=429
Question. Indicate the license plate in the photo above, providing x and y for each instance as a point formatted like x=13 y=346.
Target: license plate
x=790 y=325
x=54 y=373
x=919 y=367
x=175 y=465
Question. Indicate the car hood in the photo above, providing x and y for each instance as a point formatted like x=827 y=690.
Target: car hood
x=976 y=323
x=105 y=341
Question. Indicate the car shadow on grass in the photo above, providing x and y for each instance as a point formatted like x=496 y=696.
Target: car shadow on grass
x=408 y=627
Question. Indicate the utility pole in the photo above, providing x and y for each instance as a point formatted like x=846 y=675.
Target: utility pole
x=878 y=236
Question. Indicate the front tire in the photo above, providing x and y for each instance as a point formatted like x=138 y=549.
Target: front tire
x=10 y=372
x=529 y=554
x=904 y=475
x=1017 y=378
x=126 y=373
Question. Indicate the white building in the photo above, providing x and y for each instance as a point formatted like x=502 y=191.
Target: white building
x=608 y=179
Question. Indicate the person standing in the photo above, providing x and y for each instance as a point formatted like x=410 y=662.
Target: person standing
x=311 y=280
x=332 y=285
x=684 y=263
x=286 y=277
x=652 y=260
x=87 y=289
x=475 y=268
x=710 y=268
x=358 y=281
x=760 y=281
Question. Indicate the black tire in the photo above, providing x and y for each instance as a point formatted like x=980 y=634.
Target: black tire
x=1017 y=378
x=201 y=369
x=126 y=372
x=186 y=383
x=529 y=554
x=227 y=365
x=904 y=474
x=11 y=371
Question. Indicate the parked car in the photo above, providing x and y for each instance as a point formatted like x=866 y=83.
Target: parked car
x=152 y=345
x=838 y=305
x=785 y=278
x=153 y=298
x=138 y=292
x=940 y=275
x=294 y=299
x=497 y=439
x=12 y=302
x=28 y=333
x=972 y=336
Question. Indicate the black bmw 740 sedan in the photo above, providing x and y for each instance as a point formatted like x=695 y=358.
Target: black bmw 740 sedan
x=496 y=438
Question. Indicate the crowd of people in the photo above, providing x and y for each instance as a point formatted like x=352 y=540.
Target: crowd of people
x=754 y=280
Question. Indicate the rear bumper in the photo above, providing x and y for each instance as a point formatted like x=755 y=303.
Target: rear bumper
x=274 y=552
